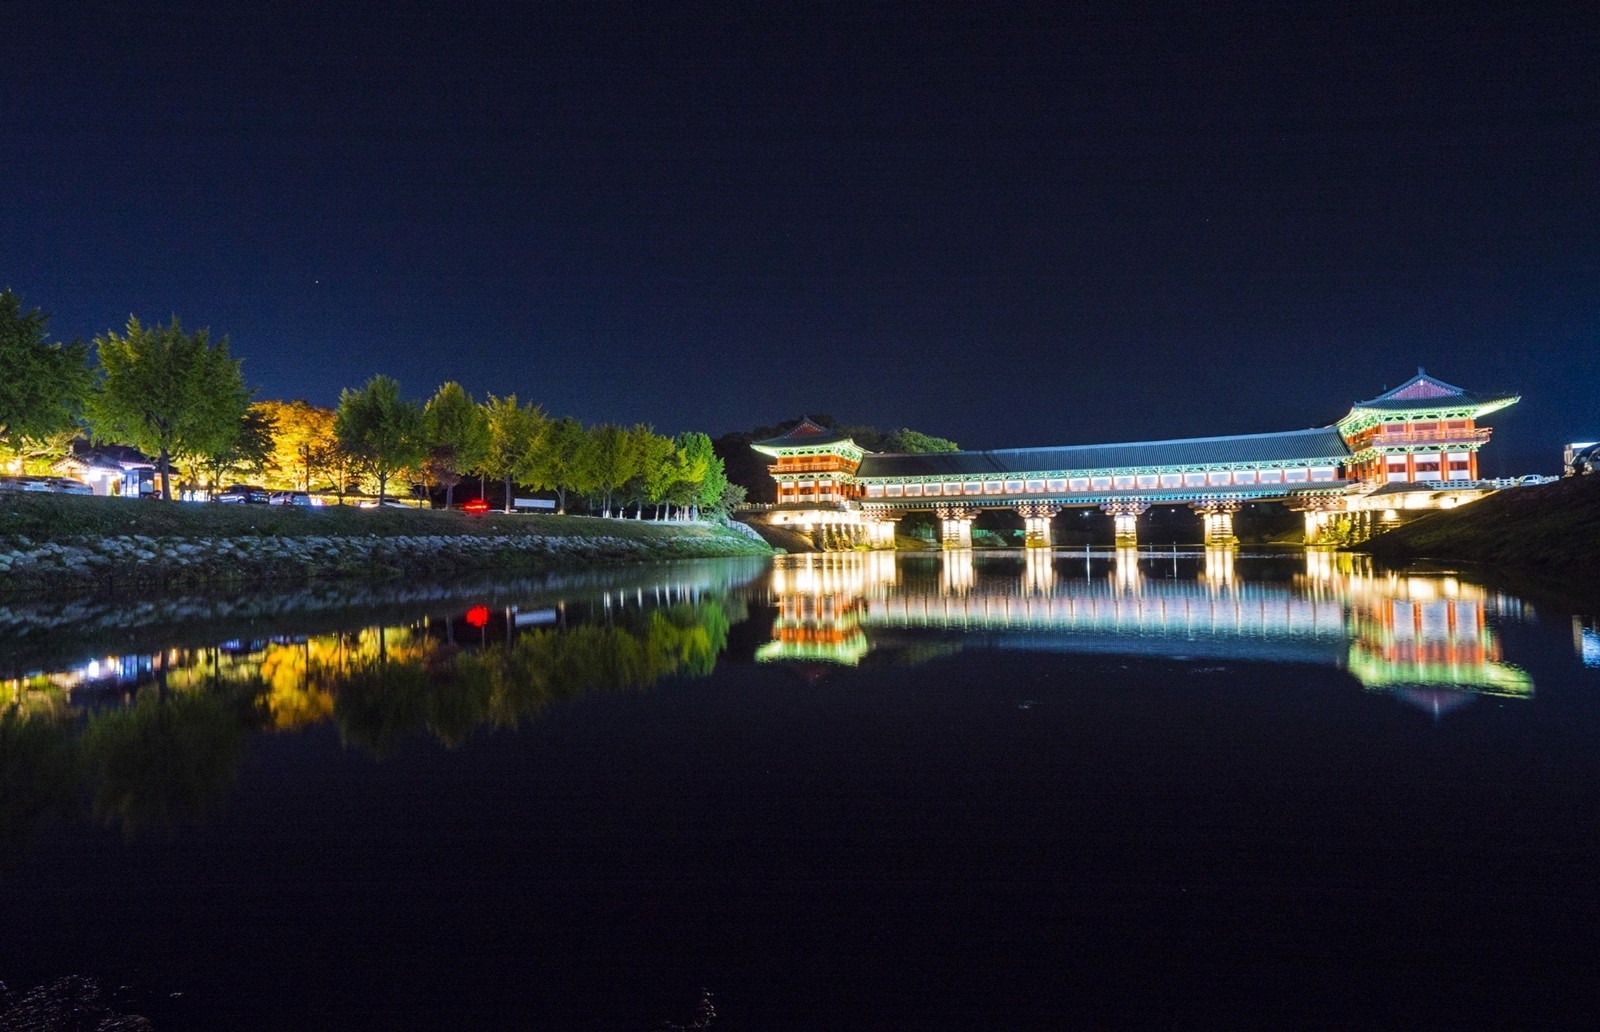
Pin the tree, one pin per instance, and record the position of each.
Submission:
(692, 459)
(379, 428)
(654, 464)
(556, 464)
(302, 437)
(907, 441)
(457, 429)
(514, 432)
(245, 452)
(42, 386)
(344, 471)
(607, 461)
(732, 496)
(166, 392)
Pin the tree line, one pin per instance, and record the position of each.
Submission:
(181, 398)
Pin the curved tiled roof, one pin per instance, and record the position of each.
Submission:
(1322, 444)
(804, 434)
(1429, 392)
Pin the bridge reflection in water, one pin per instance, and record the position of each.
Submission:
(1427, 638)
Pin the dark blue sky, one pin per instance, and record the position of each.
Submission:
(1007, 224)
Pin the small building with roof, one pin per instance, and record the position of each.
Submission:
(110, 469)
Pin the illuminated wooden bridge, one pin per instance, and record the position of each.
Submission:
(1414, 447)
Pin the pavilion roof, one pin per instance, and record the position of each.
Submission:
(1426, 392)
(1322, 444)
(86, 455)
(804, 434)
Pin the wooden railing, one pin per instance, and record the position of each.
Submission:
(1475, 435)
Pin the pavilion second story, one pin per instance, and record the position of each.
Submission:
(1423, 431)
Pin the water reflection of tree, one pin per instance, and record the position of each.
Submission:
(174, 754)
(167, 759)
(449, 693)
(38, 774)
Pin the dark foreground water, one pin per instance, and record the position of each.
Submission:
(836, 792)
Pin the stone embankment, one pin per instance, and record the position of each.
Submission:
(1551, 531)
(140, 561)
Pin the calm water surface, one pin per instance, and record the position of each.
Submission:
(855, 791)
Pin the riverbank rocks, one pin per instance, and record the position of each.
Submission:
(140, 561)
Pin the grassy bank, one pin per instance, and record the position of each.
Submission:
(66, 542)
(1548, 531)
(50, 517)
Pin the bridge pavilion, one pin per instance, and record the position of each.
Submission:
(1414, 447)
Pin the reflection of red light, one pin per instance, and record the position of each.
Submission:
(477, 505)
(478, 616)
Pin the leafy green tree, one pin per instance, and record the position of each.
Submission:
(246, 453)
(732, 496)
(514, 432)
(344, 471)
(167, 392)
(608, 462)
(556, 464)
(457, 429)
(703, 474)
(380, 429)
(655, 467)
(907, 441)
(42, 385)
(712, 488)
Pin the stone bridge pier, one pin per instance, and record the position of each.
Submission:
(955, 526)
(1125, 515)
(1217, 516)
(1036, 517)
(880, 528)
(1322, 516)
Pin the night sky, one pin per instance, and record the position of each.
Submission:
(1007, 224)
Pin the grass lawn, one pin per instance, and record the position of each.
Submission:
(53, 517)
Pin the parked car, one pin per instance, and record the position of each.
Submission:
(43, 485)
(291, 498)
(243, 493)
